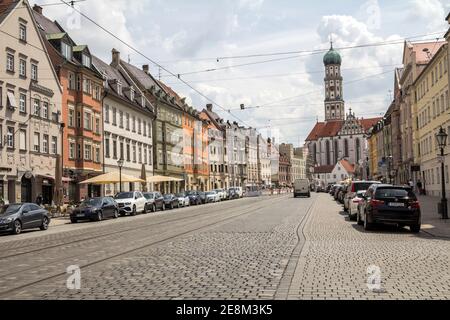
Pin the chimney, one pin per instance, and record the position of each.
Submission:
(115, 58)
(146, 68)
(37, 8)
(209, 107)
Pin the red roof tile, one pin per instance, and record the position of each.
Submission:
(350, 168)
(327, 129)
(314, 135)
(369, 123)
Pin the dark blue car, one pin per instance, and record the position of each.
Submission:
(95, 209)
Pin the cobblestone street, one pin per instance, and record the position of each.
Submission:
(256, 248)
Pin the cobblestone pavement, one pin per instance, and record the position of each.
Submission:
(335, 259)
(259, 248)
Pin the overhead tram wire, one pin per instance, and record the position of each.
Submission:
(154, 62)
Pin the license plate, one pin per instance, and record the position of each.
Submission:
(80, 215)
(396, 204)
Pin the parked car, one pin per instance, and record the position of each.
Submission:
(389, 204)
(336, 191)
(183, 199)
(131, 202)
(15, 218)
(341, 194)
(233, 194)
(301, 188)
(237, 190)
(194, 198)
(354, 204)
(202, 196)
(222, 194)
(95, 209)
(155, 201)
(212, 196)
(170, 201)
(352, 189)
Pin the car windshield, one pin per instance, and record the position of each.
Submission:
(11, 209)
(167, 196)
(125, 195)
(383, 193)
(94, 202)
(148, 196)
(180, 195)
(191, 193)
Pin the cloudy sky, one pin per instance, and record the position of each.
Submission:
(197, 35)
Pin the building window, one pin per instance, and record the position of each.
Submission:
(106, 114)
(128, 153)
(78, 119)
(134, 124)
(122, 151)
(139, 126)
(23, 103)
(22, 140)
(34, 72)
(22, 68)
(71, 118)
(121, 119)
(140, 154)
(66, 50)
(86, 61)
(127, 121)
(114, 119)
(87, 152)
(132, 93)
(54, 145)
(72, 150)
(37, 142)
(22, 32)
(79, 152)
(107, 148)
(45, 110)
(134, 153)
(145, 129)
(87, 86)
(37, 111)
(97, 154)
(115, 149)
(10, 137)
(45, 143)
(97, 125)
(87, 121)
(72, 81)
(9, 62)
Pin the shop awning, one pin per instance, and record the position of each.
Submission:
(112, 177)
(156, 179)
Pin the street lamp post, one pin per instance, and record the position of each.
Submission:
(120, 164)
(441, 138)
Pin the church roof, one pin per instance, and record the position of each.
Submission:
(332, 128)
(323, 169)
(332, 57)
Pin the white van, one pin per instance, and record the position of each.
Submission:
(301, 188)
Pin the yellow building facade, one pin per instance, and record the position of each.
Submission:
(433, 111)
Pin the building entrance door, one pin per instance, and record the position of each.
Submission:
(26, 190)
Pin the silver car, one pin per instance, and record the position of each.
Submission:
(183, 199)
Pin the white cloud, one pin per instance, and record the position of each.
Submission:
(429, 13)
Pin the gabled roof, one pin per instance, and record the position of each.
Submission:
(350, 168)
(145, 79)
(315, 133)
(369, 123)
(55, 36)
(80, 48)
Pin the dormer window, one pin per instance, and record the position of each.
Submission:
(66, 50)
(86, 60)
(132, 93)
(119, 87)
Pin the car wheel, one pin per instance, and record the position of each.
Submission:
(171, 206)
(17, 227)
(99, 216)
(133, 213)
(146, 210)
(44, 225)
(415, 228)
(367, 225)
(116, 214)
(72, 220)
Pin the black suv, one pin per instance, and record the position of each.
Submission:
(391, 205)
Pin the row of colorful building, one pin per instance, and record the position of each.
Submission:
(402, 147)
(65, 114)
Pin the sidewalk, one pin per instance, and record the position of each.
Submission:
(431, 220)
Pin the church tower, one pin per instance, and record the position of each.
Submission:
(334, 100)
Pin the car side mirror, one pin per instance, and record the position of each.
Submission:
(25, 211)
